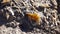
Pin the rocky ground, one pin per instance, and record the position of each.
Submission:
(15, 17)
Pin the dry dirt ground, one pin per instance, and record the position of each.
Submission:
(18, 17)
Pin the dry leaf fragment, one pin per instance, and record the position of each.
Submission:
(6, 1)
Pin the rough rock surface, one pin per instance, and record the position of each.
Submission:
(13, 18)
